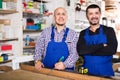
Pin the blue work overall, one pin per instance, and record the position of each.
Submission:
(97, 65)
(56, 50)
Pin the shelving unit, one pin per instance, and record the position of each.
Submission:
(30, 32)
(10, 55)
(36, 16)
(15, 18)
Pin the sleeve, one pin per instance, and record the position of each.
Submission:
(40, 47)
(73, 55)
(83, 49)
(112, 44)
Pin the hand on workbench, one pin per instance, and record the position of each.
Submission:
(39, 65)
(60, 66)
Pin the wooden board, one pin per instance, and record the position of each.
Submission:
(27, 75)
(5, 68)
(115, 66)
(63, 74)
(5, 61)
(118, 53)
(8, 11)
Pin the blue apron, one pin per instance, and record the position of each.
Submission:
(97, 65)
(56, 50)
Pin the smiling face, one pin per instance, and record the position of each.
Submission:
(93, 15)
(60, 16)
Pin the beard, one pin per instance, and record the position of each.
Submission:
(60, 24)
(94, 23)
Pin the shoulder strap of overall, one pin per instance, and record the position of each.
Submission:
(101, 29)
(65, 34)
(87, 31)
(52, 33)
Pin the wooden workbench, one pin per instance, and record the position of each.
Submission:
(62, 74)
(27, 75)
(28, 72)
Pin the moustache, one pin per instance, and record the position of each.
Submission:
(94, 18)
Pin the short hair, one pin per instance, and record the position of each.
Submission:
(93, 6)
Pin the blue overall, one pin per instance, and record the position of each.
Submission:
(97, 65)
(56, 50)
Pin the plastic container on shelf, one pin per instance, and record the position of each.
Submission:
(41, 8)
(27, 40)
